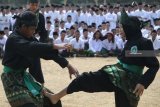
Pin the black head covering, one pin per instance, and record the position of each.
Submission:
(26, 18)
(131, 26)
(33, 1)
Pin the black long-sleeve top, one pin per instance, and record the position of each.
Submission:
(21, 52)
(41, 30)
(150, 62)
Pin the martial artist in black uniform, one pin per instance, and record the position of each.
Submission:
(22, 48)
(35, 68)
(126, 78)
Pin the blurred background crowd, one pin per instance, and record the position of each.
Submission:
(92, 30)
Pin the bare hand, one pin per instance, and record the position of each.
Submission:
(72, 71)
(61, 46)
(138, 90)
(67, 46)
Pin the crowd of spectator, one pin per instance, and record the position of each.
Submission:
(91, 30)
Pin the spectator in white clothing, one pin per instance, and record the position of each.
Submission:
(95, 43)
(85, 38)
(99, 17)
(77, 44)
(49, 27)
(146, 29)
(69, 22)
(116, 33)
(62, 40)
(157, 23)
(109, 45)
(155, 40)
(73, 14)
(111, 17)
(7, 32)
(91, 18)
(62, 26)
(3, 40)
(71, 34)
(11, 19)
(158, 33)
(121, 42)
(4, 20)
(53, 36)
(105, 28)
(90, 33)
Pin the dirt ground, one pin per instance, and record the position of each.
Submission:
(57, 78)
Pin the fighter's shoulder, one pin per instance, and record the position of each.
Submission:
(146, 43)
(145, 40)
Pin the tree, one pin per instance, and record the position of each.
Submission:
(105, 2)
(96, 2)
(65, 2)
(48, 2)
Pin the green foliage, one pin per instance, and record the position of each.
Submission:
(76, 2)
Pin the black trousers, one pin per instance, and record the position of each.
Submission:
(98, 82)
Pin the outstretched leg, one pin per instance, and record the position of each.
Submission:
(88, 82)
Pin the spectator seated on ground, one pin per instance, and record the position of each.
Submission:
(3, 40)
(109, 46)
(95, 44)
(155, 41)
(77, 44)
(85, 38)
(62, 40)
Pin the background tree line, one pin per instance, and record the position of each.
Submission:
(80, 2)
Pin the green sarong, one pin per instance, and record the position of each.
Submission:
(21, 88)
(125, 77)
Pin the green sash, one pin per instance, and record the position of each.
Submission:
(133, 68)
(30, 83)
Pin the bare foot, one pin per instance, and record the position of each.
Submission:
(53, 97)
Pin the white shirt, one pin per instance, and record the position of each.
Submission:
(54, 15)
(83, 17)
(158, 36)
(73, 15)
(4, 22)
(3, 42)
(91, 19)
(138, 13)
(156, 44)
(117, 37)
(120, 44)
(85, 40)
(62, 16)
(69, 24)
(131, 13)
(90, 34)
(12, 21)
(99, 20)
(105, 31)
(145, 32)
(59, 41)
(112, 19)
(108, 45)
(158, 12)
(153, 15)
(95, 45)
(77, 44)
(60, 29)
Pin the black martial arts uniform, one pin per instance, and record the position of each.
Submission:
(122, 77)
(20, 54)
